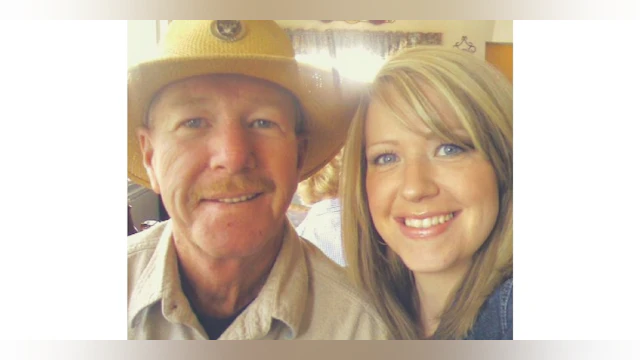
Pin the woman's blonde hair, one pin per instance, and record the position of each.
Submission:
(324, 184)
(482, 99)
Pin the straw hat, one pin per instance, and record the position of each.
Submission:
(259, 49)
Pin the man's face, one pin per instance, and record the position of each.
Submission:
(223, 153)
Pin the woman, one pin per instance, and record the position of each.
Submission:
(428, 229)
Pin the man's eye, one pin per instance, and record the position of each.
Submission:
(262, 123)
(385, 159)
(449, 150)
(194, 123)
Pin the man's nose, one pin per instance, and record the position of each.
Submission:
(232, 149)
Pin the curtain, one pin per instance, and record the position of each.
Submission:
(381, 43)
(354, 53)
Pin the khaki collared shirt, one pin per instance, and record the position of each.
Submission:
(305, 296)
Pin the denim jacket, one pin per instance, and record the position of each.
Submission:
(495, 319)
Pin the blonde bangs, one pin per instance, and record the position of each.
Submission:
(403, 94)
(479, 97)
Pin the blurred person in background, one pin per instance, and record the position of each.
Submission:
(321, 226)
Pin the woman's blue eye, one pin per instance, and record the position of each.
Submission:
(449, 150)
(385, 159)
(193, 123)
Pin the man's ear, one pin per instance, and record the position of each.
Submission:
(303, 145)
(146, 148)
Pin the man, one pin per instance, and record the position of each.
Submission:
(223, 125)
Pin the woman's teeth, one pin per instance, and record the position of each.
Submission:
(428, 222)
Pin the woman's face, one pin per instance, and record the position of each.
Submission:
(433, 202)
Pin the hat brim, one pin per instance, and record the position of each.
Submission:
(327, 103)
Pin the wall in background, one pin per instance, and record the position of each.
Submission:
(141, 40)
(503, 31)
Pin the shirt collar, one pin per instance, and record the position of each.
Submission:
(283, 296)
(160, 280)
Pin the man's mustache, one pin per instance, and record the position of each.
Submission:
(234, 185)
